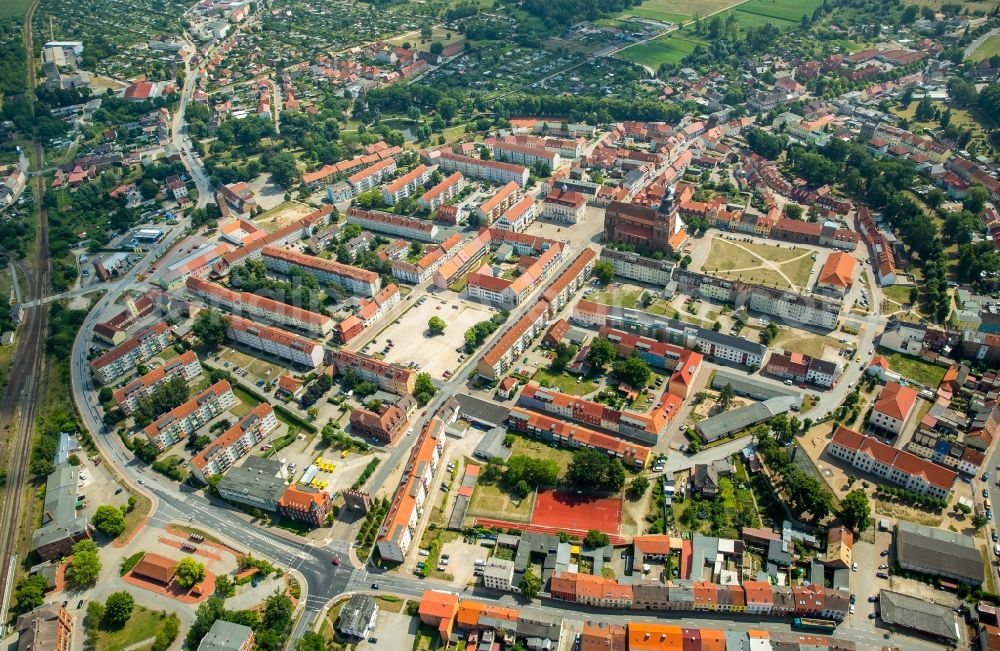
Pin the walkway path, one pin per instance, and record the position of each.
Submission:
(973, 46)
(769, 265)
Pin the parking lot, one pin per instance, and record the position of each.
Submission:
(392, 631)
(410, 339)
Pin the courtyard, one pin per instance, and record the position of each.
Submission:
(785, 266)
(412, 343)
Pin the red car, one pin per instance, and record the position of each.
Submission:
(336, 562)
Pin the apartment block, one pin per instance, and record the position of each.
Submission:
(297, 230)
(388, 377)
(441, 193)
(513, 342)
(396, 534)
(407, 185)
(633, 266)
(124, 357)
(185, 419)
(254, 306)
(383, 222)
(519, 216)
(524, 154)
(372, 176)
(185, 366)
(417, 272)
(354, 279)
(896, 466)
(274, 341)
(491, 209)
(566, 284)
(234, 443)
(487, 170)
(556, 430)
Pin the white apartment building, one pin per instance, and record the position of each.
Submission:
(185, 366)
(487, 170)
(354, 279)
(795, 308)
(406, 185)
(235, 442)
(274, 341)
(524, 154)
(636, 267)
(383, 222)
(498, 574)
(441, 193)
(126, 356)
(253, 306)
(182, 421)
(519, 216)
(372, 176)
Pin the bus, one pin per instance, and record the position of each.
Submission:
(815, 625)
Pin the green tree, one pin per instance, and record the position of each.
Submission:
(530, 584)
(602, 352)
(311, 642)
(604, 271)
(979, 521)
(424, 388)
(639, 486)
(593, 470)
(436, 48)
(976, 200)
(30, 593)
(85, 566)
(210, 327)
(633, 371)
(855, 511)
(726, 395)
(118, 608)
(189, 573)
(109, 520)
(447, 109)
(435, 325)
(596, 538)
(793, 211)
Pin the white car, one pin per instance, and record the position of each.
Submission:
(851, 609)
(854, 568)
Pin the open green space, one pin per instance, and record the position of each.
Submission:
(489, 500)
(897, 293)
(913, 368)
(787, 10)
(564, 382)
(14, 8)
(798, 270)
(989, 48)
(536, 449)
(802, 341)
(761, 276)
(619, 296)
(665, 49)
(142, 625)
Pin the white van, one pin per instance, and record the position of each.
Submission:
(424, 552)
(480, 562)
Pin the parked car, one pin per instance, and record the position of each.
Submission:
(882, 575)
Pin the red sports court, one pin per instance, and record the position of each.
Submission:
(568, 510)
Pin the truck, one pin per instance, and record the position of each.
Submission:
(814, 625)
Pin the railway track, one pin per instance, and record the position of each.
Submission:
(19, 404)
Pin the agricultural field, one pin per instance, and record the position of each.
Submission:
(673, 11)
(14, 8)
(665, 49)
(989, 48)
(790, 11)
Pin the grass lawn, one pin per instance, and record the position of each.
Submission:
(247, 401)
(489, 501)
(914, 368)
(619, 297)
(530, 447)
(801, 341)
(766, 277)
(798, 270)
(143, 625)
(678, 8)
(14, 8)
(564, 382)
(135, 517)
(989, 48)
(898, 293)
(790, 10)
(666, 49)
